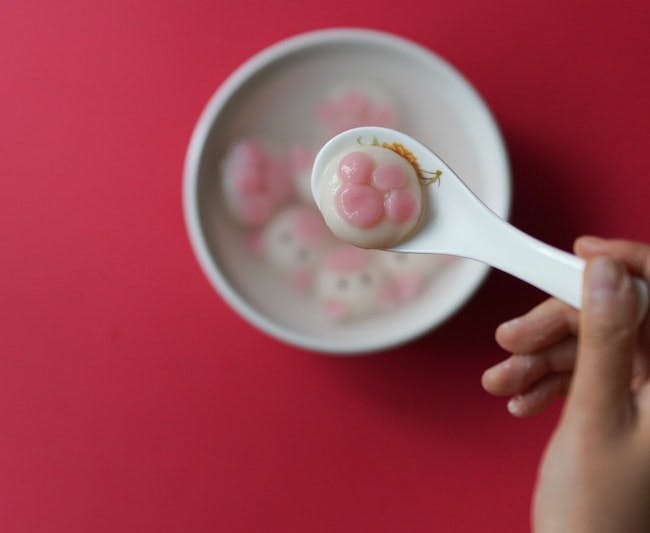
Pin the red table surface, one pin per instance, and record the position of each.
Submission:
(133, 399)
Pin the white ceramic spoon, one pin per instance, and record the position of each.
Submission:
(457, 223)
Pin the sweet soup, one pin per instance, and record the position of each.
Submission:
(376, 201)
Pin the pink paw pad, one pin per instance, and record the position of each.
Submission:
(389, 176)
(360, 205)
(356, 167)
(369, 193)
(401, 206)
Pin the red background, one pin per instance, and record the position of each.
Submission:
(133, 399)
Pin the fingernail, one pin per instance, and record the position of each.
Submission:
(591, 242)
(604, 278)
(509, 324)
(496, 369)
(515, 405)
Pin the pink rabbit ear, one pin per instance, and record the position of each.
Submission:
(248, 181)
(249, 152)
(348, 259)
(388, 296)
(409, 285)
(255, 243)
(255, 210)
(353, 102)
(335, 309)
(309, 226)
(301, 279)
(383, 116)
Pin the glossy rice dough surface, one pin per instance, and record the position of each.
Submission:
(371, 197)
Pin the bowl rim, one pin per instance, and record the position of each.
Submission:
(213, 108)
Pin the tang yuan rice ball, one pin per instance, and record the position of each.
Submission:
(371, 197)
(349, 284)
(295, 242)
(256, 182)
(407, 273)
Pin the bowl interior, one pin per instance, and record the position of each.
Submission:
(274, 96)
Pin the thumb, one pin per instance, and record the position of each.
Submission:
(607, 340)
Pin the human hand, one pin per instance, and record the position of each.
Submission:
(544, 340)
(595, 475)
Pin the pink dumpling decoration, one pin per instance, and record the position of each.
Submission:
(256, 182)
(256, 210)
(401, 206)
(389, 176)
(352, 108)
(349, 284)
(370, 192)
(294, 243)
(356, 168)
(347, 259)
(361, 206)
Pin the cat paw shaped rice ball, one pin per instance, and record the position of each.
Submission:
(349, 284)
(256, 182)
(371, 196)
(294, 242)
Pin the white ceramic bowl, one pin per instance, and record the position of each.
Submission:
(271, 95)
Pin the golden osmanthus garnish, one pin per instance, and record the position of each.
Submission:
(427, 177)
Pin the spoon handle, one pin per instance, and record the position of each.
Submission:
(554, 271)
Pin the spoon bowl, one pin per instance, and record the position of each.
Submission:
(455, 222)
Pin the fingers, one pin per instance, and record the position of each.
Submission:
(607, 340)
(539, 397)
(519, 373)
(543, 326)
(635, 256)
(544, 344)
(607, 325)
